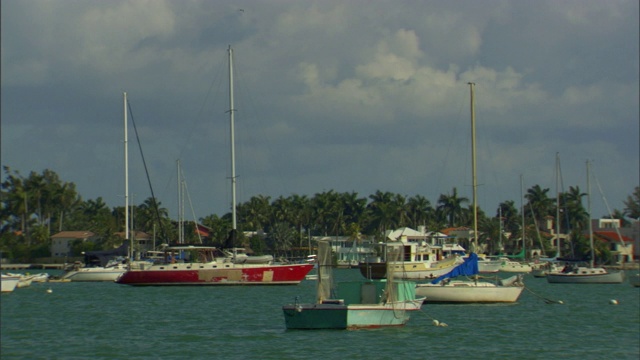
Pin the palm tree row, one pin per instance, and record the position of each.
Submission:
(39, 205)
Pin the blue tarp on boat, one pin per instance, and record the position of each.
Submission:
(468, 267)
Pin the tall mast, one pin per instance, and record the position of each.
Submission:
(591, 262)
(557, 206)
(522, 212)
(180, 204)
(233, 148)
(126, 178)
(473, 168)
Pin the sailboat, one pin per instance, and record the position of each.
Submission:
(446, 289)
(185, 264)
(553, 265)
(356, 304)
(107, 269)
(590, 274)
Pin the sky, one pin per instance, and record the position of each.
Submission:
(350, 96)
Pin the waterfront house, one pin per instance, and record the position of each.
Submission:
(61, 242)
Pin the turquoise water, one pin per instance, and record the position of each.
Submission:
(112, 321)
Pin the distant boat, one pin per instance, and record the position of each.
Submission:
(25, 279)
(9, 283)
(353, 304)
(79, 272)
(545, 267)
(472, 290)
(207, 265)
(509, 265)
(552, 265)
(448, 289)
(420, 260)
(488, 265)
(106, 269)
(590, 274)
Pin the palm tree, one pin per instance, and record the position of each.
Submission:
(300, 215)
(450, 206)
(420, 211)
(632, 204)
(381, 210)
(490, 235)
(255, 213)
(540, 204)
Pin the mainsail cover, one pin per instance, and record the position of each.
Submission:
(468, 267)
(325, 276)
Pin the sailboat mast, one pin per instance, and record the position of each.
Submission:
(233, 148)
(126, 177)
(473, 168)
(522, 213)
(591, 262)
(180, 203)
(557, 206)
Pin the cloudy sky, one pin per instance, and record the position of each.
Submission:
(330, 95)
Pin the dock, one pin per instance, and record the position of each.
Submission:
(31, 266)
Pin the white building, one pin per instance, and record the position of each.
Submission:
(62, 241)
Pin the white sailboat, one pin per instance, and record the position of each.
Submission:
(553, 265)
(587, 274)
(508, 263)
(471, 290)
(113, 269)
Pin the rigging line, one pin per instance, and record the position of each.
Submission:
(565, 211)
(215, 81)
(452, 139)
(193, 213)
(535, 224)
(144, 162)
(607, 204)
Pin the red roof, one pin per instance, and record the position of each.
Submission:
(612, 236)
(73, 235)
(448, 231)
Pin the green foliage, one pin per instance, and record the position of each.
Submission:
(632, 204)
(39, 205)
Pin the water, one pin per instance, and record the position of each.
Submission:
(112, 321)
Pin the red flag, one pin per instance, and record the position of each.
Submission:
(203, 230)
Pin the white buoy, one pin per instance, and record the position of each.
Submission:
(436, 322)
(49, 291)
(613, 302)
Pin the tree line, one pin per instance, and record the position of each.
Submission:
(36, 206)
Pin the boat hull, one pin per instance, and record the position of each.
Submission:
(489, 266)
(348, 317)
(458, 291)
(94, 274)
(202, 274)
(359, 307)
(586, 277)
(9, 283)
